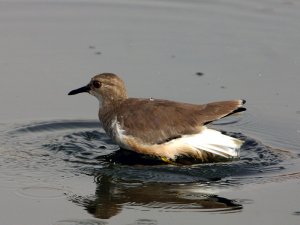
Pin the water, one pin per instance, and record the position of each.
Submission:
(51, 153)
(58, 166)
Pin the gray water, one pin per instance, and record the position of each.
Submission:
(58, 166)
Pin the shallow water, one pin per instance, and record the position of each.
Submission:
(46, 156)
(58, 166)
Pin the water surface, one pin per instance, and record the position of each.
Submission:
(58, 166)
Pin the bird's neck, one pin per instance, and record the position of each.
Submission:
(111, 101)
(108, 111)
(109, 106)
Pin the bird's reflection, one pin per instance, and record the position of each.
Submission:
(112, 196)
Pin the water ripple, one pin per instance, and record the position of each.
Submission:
(43, 151)
(98, 154)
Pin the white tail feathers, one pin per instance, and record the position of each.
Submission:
(215, 142)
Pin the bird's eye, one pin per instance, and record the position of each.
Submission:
(96, 84)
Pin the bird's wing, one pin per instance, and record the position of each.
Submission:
(157, 121)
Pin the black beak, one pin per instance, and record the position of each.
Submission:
(80, 90)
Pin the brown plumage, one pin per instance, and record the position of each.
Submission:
(155, 121)
(151, 126)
